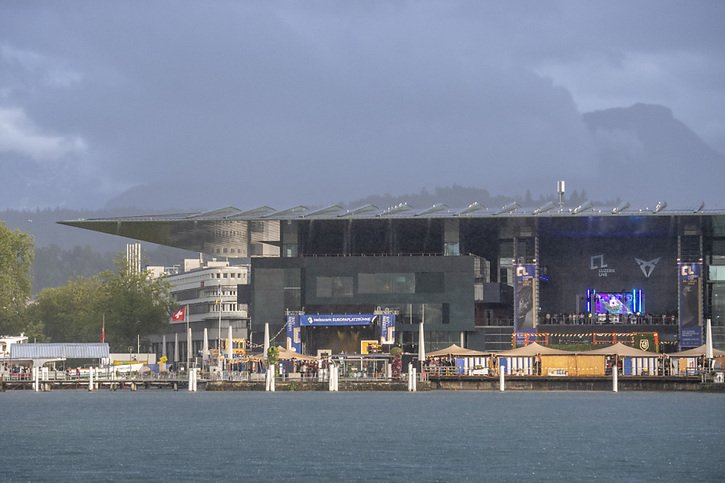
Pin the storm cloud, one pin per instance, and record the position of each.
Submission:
(205, 104)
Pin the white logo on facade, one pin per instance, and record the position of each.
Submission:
(596, 262)
(647, 267)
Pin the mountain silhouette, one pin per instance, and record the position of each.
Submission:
(645, 149)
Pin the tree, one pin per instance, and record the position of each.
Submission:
(16, 259)
(72, 312)
(135, 304)
(132, 304)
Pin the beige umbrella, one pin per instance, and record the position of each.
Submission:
(286, 355)
(533, 349)
(698, 352)
(453, 350)
(620, 350)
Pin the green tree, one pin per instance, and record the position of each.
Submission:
(72, 312)
(135, 304)
(132, 305)
(16, 259)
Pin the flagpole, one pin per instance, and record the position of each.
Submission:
(188, 342)
(219, 335)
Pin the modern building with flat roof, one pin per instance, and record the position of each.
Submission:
(476, 276)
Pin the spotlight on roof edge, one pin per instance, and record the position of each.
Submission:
(400, 207)
(508, 208)
(437, 207)
(620, 208)
(661, 205)
(475, 206)
(548, 206)
(587, 205)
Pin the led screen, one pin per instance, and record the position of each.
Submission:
(614, 303)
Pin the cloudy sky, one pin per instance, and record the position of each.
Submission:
(208, 104)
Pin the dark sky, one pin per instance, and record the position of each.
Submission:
(257, 102)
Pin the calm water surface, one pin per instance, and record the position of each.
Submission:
(436, 436)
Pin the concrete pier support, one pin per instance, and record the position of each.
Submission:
(334, 378)
(615, 379)
(193, 375)
(501, 377)
(411, 378)
(269, 378)
(90, 380)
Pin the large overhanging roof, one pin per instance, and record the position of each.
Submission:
(237, 233)
(404, 211)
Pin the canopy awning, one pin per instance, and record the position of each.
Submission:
(620, 350)
(533, 349)
(455, 350)
(287, 355)
(698, 352)
(59, 351)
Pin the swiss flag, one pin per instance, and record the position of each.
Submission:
(179, 315)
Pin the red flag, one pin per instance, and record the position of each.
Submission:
(179, 315)
(103, 332)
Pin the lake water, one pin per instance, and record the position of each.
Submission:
(319, 436)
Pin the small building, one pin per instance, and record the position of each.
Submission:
(209, 290)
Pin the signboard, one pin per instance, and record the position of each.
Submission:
(525, 338)
(524, 297)
(387, 328)
(335, 320)
(294, 342)
(370, 347)
(689, 288)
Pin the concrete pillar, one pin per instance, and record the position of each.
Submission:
(501, 382)
(615, 377)
(266, 341)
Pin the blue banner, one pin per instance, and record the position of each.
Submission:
(689, 278)
(524, 297)
(526, 338)
(690, 337)
(332, 319)
(387, 328)
(294, 342)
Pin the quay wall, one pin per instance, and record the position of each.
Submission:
(576, 384)
(512, 383)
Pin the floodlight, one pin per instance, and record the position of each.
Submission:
(475, 206)
(508, 208)
(544, 208)
(587, 205)
(620, 208)
(661, 205)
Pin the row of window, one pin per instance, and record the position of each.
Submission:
(380, 283)
(225, 307)
(200, 309)
(226, 275)
(193, 293)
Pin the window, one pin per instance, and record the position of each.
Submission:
(382, 283)
(717, 273)
(429, 282)
(334, 286)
